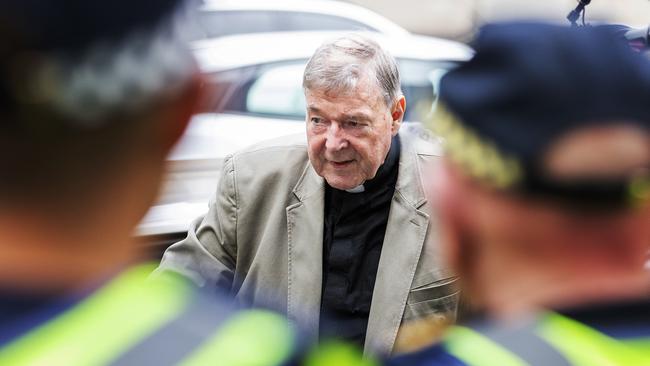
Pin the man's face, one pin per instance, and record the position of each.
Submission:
(349, 134)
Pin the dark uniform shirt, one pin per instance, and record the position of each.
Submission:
(355, 224)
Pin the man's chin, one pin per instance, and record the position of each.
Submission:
(343, 184)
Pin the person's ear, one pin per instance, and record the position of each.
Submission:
(397, 114)
(447, 195)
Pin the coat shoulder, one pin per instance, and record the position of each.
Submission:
(277, 162)
(423, 142)
(290, 144)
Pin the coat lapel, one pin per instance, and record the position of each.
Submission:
(405, 234)
(305, 250)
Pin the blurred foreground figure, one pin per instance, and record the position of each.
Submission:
(92, 97)
(544, 199)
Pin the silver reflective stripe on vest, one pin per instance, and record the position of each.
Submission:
(102, 326)
(513, 345)
(551, 339)
(180, 337)
(524, 341)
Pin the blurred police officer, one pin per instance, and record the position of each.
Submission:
(92, 97)
(545, 199)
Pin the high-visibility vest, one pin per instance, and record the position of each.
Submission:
(550, 340)
(131, 321)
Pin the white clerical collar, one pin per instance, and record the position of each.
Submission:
(358, 189)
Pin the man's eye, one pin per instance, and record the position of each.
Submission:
(316, 120)
(353, 124)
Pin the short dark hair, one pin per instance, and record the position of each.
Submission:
(75, 104)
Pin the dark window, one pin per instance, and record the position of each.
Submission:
(226, 90)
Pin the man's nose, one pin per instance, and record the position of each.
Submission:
(336, 139)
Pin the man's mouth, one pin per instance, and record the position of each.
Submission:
(341, 164)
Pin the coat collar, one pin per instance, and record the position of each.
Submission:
(409, 183)
(309, 184)
(305, 250)
(406, 233)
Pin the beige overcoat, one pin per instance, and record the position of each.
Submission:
(262, 239)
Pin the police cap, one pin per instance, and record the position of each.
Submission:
(85, 59)
(531, 83)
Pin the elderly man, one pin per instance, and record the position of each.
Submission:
(545, 197)
(92, 97)
(335, 227)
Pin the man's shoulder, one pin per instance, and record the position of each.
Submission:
(278, 153)
(278, 162)
(421, 141)
(280, 145)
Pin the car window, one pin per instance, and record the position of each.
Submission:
(277, 91)
(225, 90)
(419, 85)
(222, 23)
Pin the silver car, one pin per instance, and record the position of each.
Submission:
(218, 18)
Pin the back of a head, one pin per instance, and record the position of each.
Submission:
(547, 133)
(514, 115)
(79, 86)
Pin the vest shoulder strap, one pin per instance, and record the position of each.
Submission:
(135, 321)
(550, 339)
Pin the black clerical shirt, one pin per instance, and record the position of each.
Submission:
(355, 224)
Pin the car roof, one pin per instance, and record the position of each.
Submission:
(328, 7)
(237, 51)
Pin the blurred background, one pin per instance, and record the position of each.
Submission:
(458, 19)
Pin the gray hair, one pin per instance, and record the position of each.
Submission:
(337, 65)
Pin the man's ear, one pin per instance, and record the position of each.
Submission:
(397, 114)
(181, 110)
